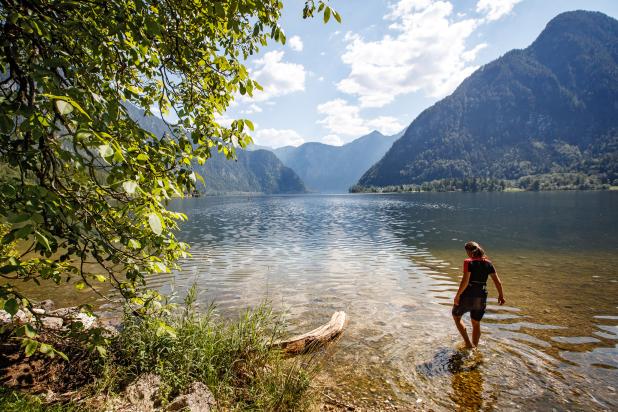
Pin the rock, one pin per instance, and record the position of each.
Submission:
(142, 395)
(72, 314)
(197, 399)
(47, 305)
(52, 323)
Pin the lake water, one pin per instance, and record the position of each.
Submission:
(393, 263)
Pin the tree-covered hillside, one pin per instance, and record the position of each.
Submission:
(255, 171)
(549, 109)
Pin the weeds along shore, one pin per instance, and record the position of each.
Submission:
(234, 359)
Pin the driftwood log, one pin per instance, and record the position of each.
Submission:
(316, 338)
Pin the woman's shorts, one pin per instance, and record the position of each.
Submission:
(475, 305)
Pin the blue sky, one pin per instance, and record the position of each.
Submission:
(383, 65)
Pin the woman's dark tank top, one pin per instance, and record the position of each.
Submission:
(480, 269)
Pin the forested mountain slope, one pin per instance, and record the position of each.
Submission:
(551, 108)
(258, 171)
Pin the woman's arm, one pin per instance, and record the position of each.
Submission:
(462, 286)
(496, 279)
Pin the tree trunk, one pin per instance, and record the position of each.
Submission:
(316, 338)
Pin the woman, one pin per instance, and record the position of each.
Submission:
(472, 294)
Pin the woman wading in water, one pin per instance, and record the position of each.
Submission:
(472, 294)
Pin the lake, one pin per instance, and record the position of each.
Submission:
(393, 263)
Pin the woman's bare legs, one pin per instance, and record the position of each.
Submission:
(462, 329)
(476, 332)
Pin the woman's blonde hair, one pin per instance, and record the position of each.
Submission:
(475, 249)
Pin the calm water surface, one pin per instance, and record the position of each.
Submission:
(393, 263)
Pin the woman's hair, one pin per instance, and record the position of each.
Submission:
(476, 249)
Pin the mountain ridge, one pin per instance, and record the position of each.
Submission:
(255, 171)
(549, 108)
(331, 169)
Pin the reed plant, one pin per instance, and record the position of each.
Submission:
(235, 358)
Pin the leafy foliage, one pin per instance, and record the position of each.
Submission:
(86, 196)
(254, 171)
(548, 109)
(14, 401)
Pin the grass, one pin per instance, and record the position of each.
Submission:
(234, 359)
(14, 401)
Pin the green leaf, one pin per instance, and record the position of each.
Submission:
(24, 231)
(337, 16)
(80, 285)
(11, 307)
(101, 349)
(129, 186)
(31, 347)
(100, 278)
(29, 330)
(18, 218)
(326, 14)
(134, 244)
(106, 150)
(64, 107)
(61, 354)
(42, 240)
(155, 223)
(159, 267)
(45, 348)
(249, 124)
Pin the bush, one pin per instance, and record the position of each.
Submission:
(233, 358)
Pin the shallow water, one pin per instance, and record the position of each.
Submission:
(392, 262)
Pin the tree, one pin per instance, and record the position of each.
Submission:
(84, 188)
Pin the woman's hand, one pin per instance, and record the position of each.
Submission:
(456, 300)
(501, 300)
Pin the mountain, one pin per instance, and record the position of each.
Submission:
(549, 109)
(326, 168)
(255, 171)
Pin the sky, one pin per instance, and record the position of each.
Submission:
(383, 65)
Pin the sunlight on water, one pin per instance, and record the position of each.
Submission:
(392, 262)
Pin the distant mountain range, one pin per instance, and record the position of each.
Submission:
(550, 109)
(333, 169)
(258, 171)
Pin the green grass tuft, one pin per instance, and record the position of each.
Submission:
(14, 401)
(233, 358)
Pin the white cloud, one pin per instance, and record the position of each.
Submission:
(332, 139)
(342, 118)
(385, 124)
(223, 120)
(495, 9)
(276, 76)
(295, 43)
(425, 51)
(253, 108)
(277, 137)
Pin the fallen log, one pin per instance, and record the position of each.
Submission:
(316, 338)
